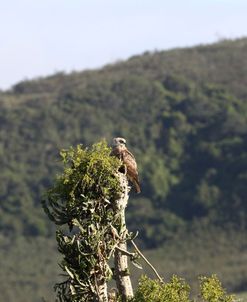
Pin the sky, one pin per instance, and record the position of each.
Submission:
(42, 37)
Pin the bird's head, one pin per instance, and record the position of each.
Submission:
(119, 142)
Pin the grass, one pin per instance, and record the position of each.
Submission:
(242, 296)
(28, 269)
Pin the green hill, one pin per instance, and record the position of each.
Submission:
(184, 115)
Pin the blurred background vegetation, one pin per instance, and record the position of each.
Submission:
(184, 115)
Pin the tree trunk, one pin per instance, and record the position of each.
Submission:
(102, 295)
(123, 281)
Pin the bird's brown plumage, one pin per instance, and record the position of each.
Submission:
(120, 150)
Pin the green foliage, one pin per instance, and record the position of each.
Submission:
(177, 290)
(89, 175)
(84, 196)
(212, 291)
(153, 291)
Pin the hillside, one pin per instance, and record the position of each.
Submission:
(181, 113)
(184, 115)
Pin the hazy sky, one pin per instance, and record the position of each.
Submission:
(40, 37)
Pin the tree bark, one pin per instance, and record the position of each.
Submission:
(102, 295)
(122, 275)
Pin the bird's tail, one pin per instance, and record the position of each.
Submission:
(137, 185)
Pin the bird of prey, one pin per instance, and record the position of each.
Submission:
(120, 150)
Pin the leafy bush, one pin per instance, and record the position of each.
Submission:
(177, 290)
(89, 174)
(212, 291)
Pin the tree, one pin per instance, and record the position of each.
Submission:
(90, 198)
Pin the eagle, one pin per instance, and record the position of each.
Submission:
(120, 150)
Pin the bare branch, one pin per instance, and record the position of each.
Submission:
(125, 252)
(145, 259)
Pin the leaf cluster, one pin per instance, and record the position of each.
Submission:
(212, 290)
(87, 182)
(177, 290)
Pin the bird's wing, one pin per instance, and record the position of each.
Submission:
(132, 173)
(129, 160)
